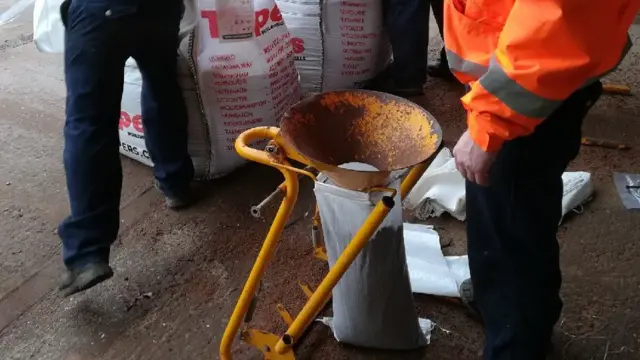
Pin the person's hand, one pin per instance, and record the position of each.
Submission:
(473, 162)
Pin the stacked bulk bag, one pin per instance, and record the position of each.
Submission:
(338, 44)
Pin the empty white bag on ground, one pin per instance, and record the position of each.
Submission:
(246, 72)
(48, 30)
(338, 44)
(442, 189)
(372, 303)
(430, 271)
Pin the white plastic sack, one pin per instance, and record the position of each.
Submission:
(48, 30)
(246, 82)
(577, 189)
(338, 44)
(431, 272)
(372, 303)
(440, 189)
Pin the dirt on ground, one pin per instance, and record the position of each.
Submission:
(179, 274)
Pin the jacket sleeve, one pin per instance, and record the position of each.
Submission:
(545, 52)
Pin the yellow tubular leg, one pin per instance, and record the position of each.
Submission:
(323, 292)
(412, 178)
(265, 255)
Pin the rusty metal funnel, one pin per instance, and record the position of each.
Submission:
(358, 137)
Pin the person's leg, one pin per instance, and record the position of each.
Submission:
(441, 68)
(94, 68)
(164, 113)
(408, 27)
(511, 230)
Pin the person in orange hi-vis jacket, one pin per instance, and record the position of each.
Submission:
(532, 70)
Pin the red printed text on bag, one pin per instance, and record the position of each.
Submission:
(266, 19)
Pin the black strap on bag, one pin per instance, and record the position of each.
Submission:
(64, 11)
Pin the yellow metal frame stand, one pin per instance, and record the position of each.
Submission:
(276, 154)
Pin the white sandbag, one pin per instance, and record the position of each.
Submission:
(577, 188)
(338, 44)
(244, 82)
(372, 303)
(430, 271)
(48, 30)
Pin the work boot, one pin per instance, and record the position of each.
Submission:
(440, 70)
(384, 82)
(177, 200)
(77, 280)
(402, 91)
(466, 296)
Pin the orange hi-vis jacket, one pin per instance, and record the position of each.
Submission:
(523, 58)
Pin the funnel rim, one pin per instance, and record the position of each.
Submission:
(435, 128)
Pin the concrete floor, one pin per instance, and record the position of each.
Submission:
(178, 274)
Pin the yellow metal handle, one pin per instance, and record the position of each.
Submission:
(255, 134)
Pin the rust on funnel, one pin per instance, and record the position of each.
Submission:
(358, 126)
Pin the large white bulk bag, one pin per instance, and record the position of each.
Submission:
(339, 44)
(246, 75)
(130, 127)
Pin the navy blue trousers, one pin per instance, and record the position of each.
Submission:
(407, 23)
(100, 36)
(511, 230)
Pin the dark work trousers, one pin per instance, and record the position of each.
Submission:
(100, 36)
(511, 229)
(438, 13)
(407, 23)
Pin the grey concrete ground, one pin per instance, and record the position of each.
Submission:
(178, 274)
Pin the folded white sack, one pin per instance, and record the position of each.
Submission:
(442, 189)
